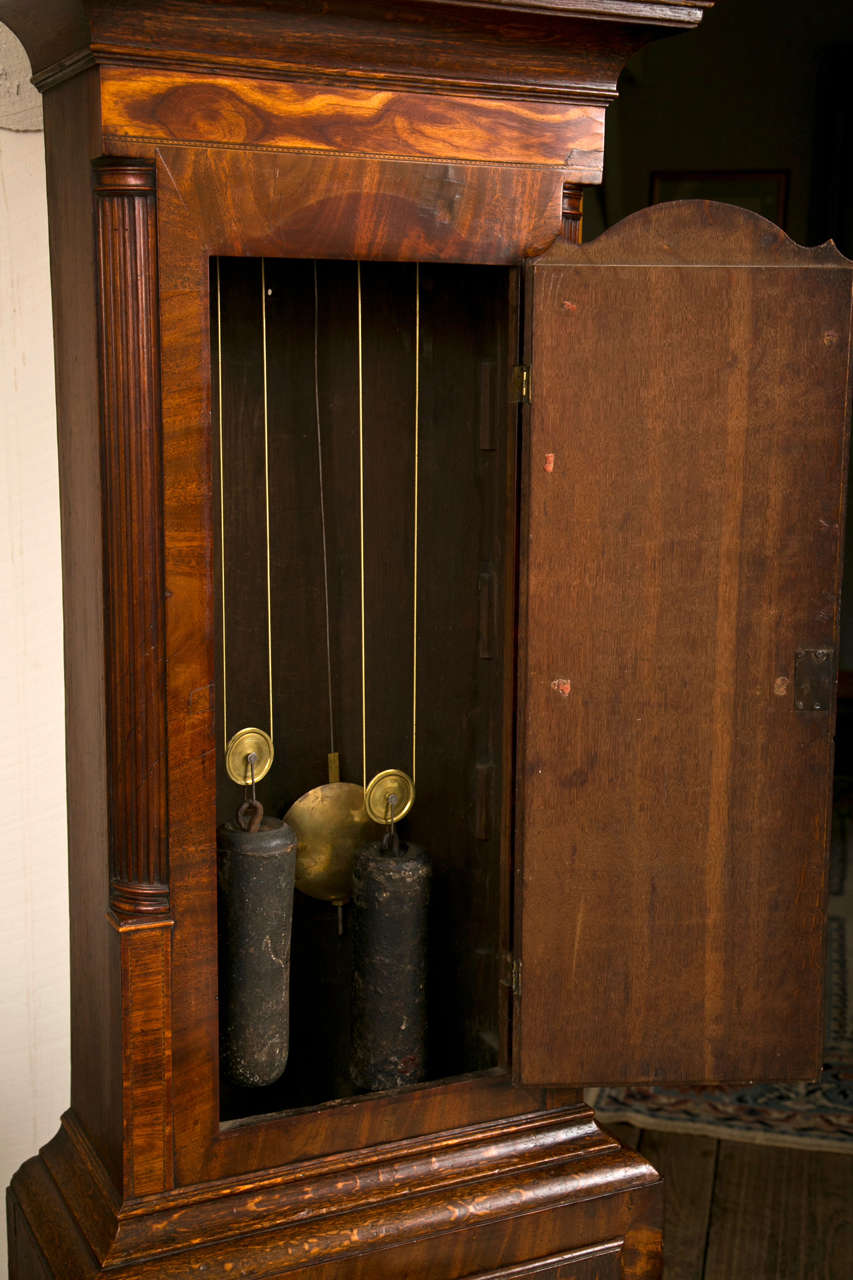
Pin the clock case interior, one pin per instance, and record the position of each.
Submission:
(334, 375)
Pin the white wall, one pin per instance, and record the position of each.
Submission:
(34, 1049)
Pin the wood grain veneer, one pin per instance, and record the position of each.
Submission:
(161, 106)
(675, 801)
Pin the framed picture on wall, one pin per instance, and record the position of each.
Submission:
(764, 191)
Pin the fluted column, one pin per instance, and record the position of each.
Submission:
(572, 212)
(133, 535)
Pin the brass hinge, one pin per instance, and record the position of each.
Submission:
(511, 974)
(520, 392)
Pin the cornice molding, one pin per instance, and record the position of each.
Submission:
(540, 47)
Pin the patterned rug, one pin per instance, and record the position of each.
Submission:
(818, 1115)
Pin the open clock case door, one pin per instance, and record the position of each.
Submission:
(685, 455)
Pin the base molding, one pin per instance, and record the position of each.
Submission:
(544, 1195)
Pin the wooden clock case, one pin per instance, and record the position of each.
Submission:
(186, 137)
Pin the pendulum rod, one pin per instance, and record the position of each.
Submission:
(334, 766)
(334, 821)
(249, 753)
(330, 820)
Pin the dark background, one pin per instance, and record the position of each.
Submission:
(760, 85)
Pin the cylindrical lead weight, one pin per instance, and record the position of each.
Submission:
(390, 896)
(256, 874)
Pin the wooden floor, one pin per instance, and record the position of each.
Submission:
(739, 1211)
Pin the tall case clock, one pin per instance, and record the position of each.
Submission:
(362, 450)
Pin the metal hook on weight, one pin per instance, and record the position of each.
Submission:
(250, 815)
(390, 841)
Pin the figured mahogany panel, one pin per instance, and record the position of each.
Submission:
(349, 207)
(685, 469)
(146, 963)
(147, 106)
(133, 538)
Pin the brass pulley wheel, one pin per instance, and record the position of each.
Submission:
(241, 768)
(389, 796)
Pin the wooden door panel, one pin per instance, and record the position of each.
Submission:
(684, 485)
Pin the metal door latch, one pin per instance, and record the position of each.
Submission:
(814, 679)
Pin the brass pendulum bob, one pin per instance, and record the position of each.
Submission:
(333, 822)
(256, 866)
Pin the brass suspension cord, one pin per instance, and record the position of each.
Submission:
(415, 538)
(323, 509)
(267, 486)
(236, 753)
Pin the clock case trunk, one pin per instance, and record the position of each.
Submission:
(195, 133)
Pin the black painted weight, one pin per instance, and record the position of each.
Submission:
(390, 897)
(256, 875)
